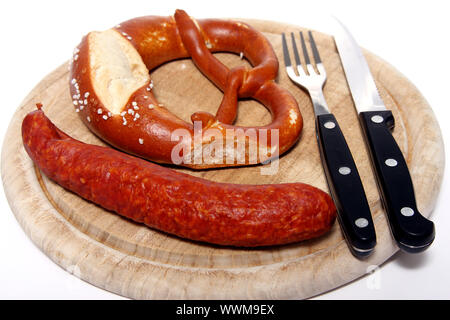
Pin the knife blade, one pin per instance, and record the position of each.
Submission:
(412, 232)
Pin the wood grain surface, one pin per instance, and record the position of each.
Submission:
(135, 261)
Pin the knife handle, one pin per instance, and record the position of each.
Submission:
(345, 186)
(412, 232)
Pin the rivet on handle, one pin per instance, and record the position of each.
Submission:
(377, 119)
(344, 170)
(391, 162)
(361, 222)
(329, 125)
(407, 211)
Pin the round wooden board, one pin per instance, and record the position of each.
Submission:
(137, 262)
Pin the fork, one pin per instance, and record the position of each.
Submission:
(340, 170)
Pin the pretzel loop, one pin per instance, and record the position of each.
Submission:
(240, 82)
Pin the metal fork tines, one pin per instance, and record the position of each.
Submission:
(340, 169)
(309, 79)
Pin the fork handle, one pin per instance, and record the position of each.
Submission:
(345, 186)
(412, 232)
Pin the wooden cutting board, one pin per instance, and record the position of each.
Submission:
(135, 261)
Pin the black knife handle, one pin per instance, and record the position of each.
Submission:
(412, 232)
(345, 186)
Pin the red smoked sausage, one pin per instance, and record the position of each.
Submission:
(174, 202)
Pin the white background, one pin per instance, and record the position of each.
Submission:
(38, 36)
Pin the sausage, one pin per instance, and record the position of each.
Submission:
(175, 202)
(112, 90)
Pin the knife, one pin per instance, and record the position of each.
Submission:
(412, 232)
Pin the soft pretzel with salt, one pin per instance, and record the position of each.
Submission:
(111, 89)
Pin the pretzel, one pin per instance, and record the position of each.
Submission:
(112, 91)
